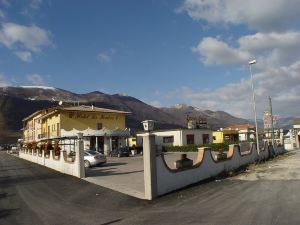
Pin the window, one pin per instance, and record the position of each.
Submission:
(205, 138)
(99, 126)
(190, 139)
(169, 139)
(214, 137)
(57, 129)
(48, 133)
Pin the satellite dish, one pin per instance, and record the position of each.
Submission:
(60, 102)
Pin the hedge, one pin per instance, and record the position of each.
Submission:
(194, 148)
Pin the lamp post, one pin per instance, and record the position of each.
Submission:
(254, 104)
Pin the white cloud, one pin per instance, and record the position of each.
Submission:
(36, 79)
(32, 38)
(3, 81)
(282, 84)
(275, 44)
(261, 15)
(214, 51)
(24, 55)
(106, 56)
(272, 49)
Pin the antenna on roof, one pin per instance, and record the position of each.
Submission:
(60, 102)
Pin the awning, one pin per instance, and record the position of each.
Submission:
(90, 132)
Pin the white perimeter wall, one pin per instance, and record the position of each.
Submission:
(75, 168)
(206, 167)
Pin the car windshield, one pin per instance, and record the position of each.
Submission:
(92, 152)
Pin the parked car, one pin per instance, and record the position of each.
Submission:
(120, 152)
(93, 158)
(13, 150)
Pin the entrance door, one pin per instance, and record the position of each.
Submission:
(115, 142)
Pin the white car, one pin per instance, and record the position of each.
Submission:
(93, 158)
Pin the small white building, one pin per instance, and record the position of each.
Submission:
(288, 140)
(178, 137)
(246, 131)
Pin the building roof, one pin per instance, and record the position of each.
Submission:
(82, 108)
(85, 108)
(32, 115)
(240, 127)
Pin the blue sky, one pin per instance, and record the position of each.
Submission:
(162, 52)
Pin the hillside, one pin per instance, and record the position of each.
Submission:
(215, 120)
(18, 102)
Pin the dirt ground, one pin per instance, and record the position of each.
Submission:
(283, 167)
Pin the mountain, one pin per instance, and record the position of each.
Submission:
(215, 120)
(17, 103)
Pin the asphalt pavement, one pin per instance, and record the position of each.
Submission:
(33, 194)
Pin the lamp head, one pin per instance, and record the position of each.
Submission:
(252, 62)
(148, 125)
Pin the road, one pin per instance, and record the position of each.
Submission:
(32, 194)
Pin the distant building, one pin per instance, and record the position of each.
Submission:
(179, 137)
(222, 136)
(102, 128)
(246, 132)
(196, 134)
(131, 141)
(295, 135)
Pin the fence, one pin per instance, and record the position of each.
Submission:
(161, 179)
(69, 165)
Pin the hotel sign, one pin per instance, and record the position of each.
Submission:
(92, 116)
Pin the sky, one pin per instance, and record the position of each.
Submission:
(193, 52)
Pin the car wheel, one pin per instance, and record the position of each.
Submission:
(87, 164)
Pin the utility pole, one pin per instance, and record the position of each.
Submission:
(272, 126)
(254, 105)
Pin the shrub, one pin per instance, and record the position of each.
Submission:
(219, 147)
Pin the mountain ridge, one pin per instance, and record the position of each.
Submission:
(19, 102)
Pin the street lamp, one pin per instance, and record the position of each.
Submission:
(254, 105)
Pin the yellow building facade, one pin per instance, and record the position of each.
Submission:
(32, 127)
(131, 141)
(218, 137)
(221, 136)
(101, 128)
